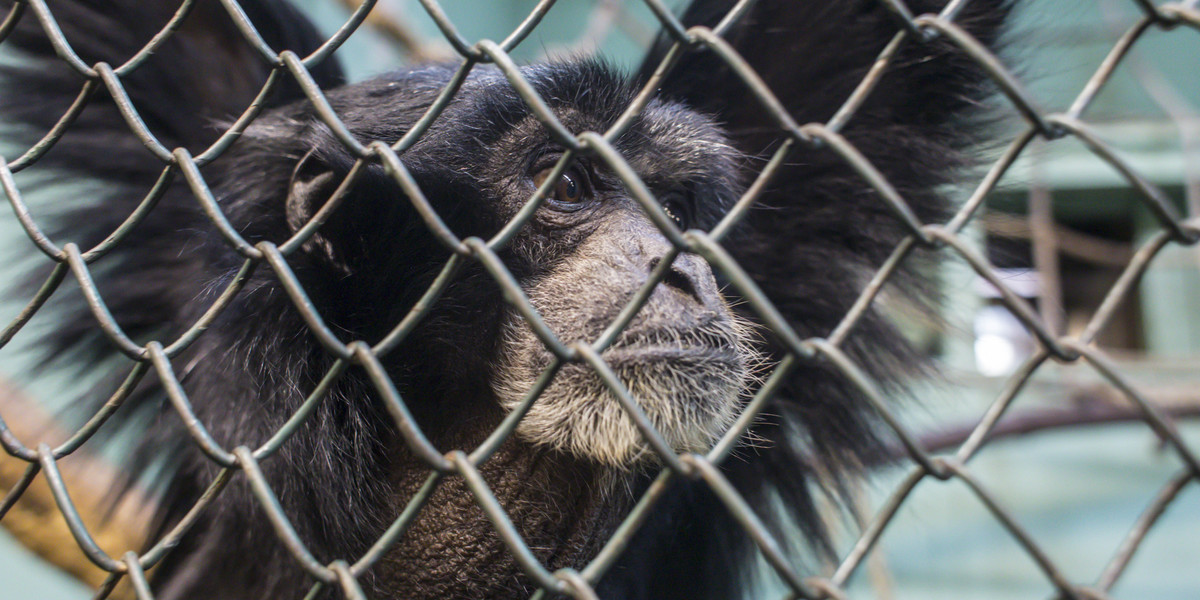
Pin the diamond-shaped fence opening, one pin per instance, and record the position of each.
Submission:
(926, 459)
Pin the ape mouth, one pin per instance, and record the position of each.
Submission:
(629, 355)
(689, 350)
(711, 351)
(715, 337)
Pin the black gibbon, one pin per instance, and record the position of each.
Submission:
(691, 357)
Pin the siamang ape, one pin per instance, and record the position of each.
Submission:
(691, 357)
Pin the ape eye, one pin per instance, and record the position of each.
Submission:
(674, 217)
(678, 208)
(571, 190)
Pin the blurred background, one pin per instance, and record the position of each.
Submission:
(1070, 462)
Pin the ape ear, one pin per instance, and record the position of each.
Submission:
(312, 184)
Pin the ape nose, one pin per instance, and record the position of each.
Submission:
(687, 287)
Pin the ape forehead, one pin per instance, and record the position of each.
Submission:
(667, 140)
(690, 144)
(488, 124)
(589, 87)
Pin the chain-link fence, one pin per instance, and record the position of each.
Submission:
(1182, 18)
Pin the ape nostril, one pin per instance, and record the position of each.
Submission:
(678, 279)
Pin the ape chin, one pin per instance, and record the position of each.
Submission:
(690, 358)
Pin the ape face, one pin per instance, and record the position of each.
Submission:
(686, 358)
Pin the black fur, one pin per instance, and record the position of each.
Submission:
(818, 232)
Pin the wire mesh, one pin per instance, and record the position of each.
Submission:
(947, 237)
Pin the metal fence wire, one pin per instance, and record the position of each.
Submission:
(946, 237)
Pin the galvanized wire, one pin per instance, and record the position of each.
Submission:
(344, 572)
